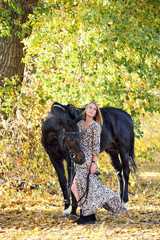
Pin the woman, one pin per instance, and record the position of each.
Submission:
(89, 192)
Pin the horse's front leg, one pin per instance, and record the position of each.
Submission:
(70, 167)
(59, 167)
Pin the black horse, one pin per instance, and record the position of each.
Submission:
(117, 139)
(61, 141)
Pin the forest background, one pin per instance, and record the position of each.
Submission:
(75, 52)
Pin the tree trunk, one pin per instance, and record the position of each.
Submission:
(11, 47)
(11, 54)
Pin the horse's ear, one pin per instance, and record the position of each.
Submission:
(79, 118)
(73, 111)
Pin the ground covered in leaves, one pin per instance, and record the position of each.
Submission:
(33, 212)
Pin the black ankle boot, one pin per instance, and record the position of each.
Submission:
(93, 217)
(86, 219)
(80, 216)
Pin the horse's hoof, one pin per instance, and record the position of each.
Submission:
(124, 207)
(66, 212)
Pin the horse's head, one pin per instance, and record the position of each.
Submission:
(71, 145)
(70, 142)
(61, 130)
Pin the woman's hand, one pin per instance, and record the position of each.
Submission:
(93, 168)
(93, 164)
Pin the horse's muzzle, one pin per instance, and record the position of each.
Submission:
(80, 158)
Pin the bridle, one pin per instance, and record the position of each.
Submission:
(64, 137)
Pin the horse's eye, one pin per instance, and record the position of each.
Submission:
(72, 155)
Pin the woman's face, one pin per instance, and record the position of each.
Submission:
(91, 110)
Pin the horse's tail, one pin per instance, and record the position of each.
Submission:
(132, 156)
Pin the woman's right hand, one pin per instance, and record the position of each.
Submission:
(93, 168)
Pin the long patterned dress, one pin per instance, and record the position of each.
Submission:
(98, 195)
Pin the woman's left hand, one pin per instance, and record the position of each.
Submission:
(93, 168)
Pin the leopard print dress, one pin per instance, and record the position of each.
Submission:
(98, 195)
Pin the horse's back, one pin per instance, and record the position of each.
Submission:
(117, 127)
(116, 113)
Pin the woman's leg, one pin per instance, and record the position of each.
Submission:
(75, 192)
(82, 219)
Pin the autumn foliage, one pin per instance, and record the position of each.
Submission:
(75, 52)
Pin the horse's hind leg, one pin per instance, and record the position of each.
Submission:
(114, 159)
(125, 166)
(59, 167)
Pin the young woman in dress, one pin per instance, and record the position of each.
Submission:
(89, 192)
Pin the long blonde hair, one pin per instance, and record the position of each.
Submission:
(98, 117)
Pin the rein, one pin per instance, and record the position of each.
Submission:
(72, 156)
(86, 192)
(72, 168)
